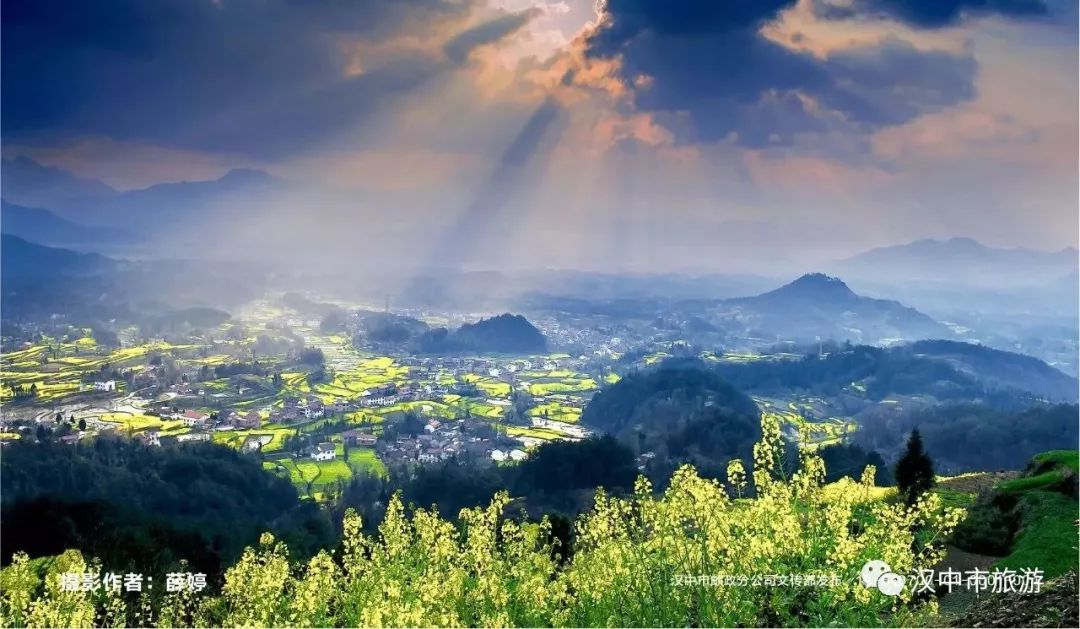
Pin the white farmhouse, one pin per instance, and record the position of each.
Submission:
(324, 452)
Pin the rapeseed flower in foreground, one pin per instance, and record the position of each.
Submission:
(691, 556)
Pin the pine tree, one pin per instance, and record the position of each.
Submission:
(914, 470)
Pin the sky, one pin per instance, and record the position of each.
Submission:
(622, 135)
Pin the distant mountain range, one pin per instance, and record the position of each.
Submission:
(818, 305)
(45, 227)
(960, 261)
(148, 210)
(21, 258)
(29, 183)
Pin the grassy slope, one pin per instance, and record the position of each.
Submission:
(1047, 538)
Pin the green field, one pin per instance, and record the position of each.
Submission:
(137, 422)
(556, 411)
(236, 438)
(320, 474)
(534, 432)
(365, 459)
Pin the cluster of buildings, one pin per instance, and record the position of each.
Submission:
(442, 440)
(295, 409)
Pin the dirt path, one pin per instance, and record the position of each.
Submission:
(960, 600)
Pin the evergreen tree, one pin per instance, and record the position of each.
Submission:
(914, 470)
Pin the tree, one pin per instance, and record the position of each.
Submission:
(914, 470)
(312, 356)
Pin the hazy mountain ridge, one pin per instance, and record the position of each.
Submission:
(147, 210)
(19, 257)
(26, 182)
(818, 305)
(169, 205)
(44, 226)
(963, 261)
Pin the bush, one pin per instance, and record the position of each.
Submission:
(629, 566)
(989, 526)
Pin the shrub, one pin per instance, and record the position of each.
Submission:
(626, 568)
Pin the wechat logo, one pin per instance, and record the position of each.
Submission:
(877, 574)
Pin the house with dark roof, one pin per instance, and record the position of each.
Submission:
(323, 452)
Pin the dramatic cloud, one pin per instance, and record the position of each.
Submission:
(931, 13)
(706, 68)
(626, 134)
(263, 78)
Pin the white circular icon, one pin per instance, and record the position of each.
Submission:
(891, 584)
(872, 571)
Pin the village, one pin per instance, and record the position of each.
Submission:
(310, 405)
(320, 405)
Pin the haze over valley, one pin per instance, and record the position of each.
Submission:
(539, 313)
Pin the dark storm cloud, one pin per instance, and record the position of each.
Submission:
(713, 75)
(256, 77)
(931, 13)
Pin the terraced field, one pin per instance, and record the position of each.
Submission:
(236, 438)
(817, 432)
(57, 368)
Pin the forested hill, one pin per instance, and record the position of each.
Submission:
(943, 369)
(506, 333)
(967, 437)
(681, 411)
(1002, 369)
(128, 503)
